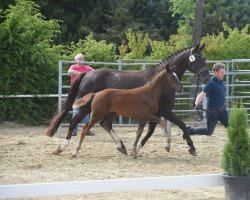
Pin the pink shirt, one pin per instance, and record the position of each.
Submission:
(79, 68)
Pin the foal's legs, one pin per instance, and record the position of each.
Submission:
(97, 115)
(150, 132)
(85, 130)
(106, 124)
(169, 115)
(73, 123)
(153, 120)
(138, 135)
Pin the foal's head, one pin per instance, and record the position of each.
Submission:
(172, 79)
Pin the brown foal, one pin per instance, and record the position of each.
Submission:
(140, 103)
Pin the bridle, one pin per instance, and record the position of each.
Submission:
(198, 75)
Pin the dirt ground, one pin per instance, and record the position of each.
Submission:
(26, 157)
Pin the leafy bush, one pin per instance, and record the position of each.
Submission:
(137, 43)
(230, 44)
(94, 50)
(236, 155)
(28, 63)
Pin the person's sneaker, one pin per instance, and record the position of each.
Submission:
(190, 132)
(90, 133)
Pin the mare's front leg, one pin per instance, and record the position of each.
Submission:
(169, 115)
(73, 123)
(139, 131)
(106, 124)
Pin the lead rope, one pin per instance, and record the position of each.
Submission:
(196, 91)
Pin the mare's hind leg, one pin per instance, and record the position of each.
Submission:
(138, 135)
(106, 124)
(73, 123)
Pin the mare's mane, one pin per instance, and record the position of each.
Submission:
(173, 55)
(165, 61)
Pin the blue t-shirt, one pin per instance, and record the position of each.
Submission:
(216, 93)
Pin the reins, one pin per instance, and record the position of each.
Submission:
(197, 109)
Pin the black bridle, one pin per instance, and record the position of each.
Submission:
(198, 75)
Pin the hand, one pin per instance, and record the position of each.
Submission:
(194, 106)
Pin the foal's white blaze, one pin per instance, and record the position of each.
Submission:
(176, 76)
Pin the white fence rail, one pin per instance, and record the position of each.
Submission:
(110, 185)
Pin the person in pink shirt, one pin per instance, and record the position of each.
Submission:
(74, 70)
(79, 67)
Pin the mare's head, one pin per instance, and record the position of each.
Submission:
(172, 79)
(197, 64)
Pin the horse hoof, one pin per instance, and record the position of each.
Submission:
(57, 151)
(122, 150)
(192, 152)
(167, 148)
(73, 155)
(133, 154)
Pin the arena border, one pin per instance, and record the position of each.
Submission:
(110, 185)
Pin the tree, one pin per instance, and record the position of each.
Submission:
(196, 40)
(94, 50)
(28, 62)
(137, 43)
(198, 22)
(235, 13)
(110, 19)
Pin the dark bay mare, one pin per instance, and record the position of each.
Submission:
(140, 103)
(94, 81)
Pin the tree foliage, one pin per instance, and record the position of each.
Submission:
(27, 61)
(110, 19)
(232, 43)
(94, 50)
(31, 44)
(235, 13)
(137, 43)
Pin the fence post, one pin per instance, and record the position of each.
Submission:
(59, 94)
(120, 68)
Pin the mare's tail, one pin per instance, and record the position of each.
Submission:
(56, 121)
(87, 99)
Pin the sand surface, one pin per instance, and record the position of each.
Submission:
(26, 157)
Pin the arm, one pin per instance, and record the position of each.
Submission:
(200, 98)
(73, 72)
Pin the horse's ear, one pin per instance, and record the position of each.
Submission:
(170, 69)
(202, 46)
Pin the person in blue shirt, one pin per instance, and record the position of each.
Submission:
(215, 91)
